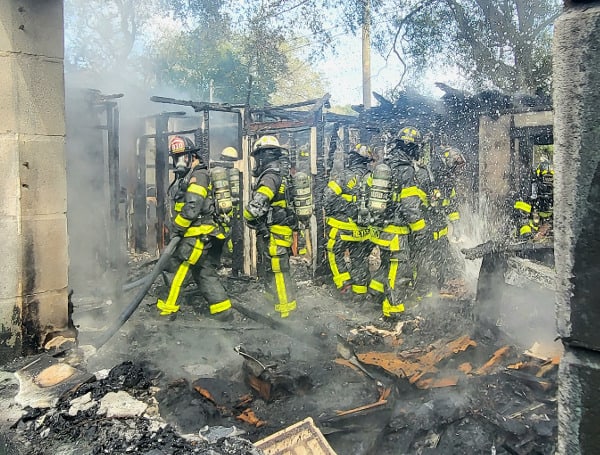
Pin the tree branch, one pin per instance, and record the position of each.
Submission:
(401, 24)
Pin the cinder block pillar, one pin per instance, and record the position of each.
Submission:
(576, 57)
(33, 229)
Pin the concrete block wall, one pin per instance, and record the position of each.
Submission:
(33, 269)
(576, 85)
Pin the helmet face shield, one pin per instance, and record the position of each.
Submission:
(262, 158)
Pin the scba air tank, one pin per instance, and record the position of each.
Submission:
(380, 189)
(234, 184)
(302, 194)
(222, 191)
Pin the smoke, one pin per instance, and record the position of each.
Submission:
(519, 301)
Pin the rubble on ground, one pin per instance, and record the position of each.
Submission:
(433, 382)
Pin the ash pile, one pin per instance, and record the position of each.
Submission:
(118, 413)
(438, 381)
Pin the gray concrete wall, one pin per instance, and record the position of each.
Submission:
(576, 56)
(33, 250)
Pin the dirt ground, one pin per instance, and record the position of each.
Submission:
(174, 363)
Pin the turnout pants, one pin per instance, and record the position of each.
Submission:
(347, 236)
(393, 281)
(275, 257)
(200, 257)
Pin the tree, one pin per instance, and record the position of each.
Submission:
(223, 49)
(501, 44)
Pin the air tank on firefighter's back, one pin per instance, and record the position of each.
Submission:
(234, 184)
(220, 182)
(380, 190)
(302, 195)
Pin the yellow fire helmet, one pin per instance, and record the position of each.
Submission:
(229, 154)
(409, 134)
(267, 142)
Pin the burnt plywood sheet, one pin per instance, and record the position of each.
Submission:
(302, 438)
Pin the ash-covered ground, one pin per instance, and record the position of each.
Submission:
(192, 373)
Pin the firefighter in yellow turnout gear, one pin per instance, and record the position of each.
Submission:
(536, 212)
(344, 201)
(395, 207)
(436, 263)
(193, 216)
(269, 213)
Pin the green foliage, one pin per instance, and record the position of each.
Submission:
(222, 50)
(504, 45)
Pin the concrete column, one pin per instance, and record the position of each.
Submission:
(576, 56)
(33, 229)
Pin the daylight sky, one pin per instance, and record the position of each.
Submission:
(344, 74)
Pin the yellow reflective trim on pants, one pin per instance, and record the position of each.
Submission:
(181, 221)
(272, 247)
(275, 264)
(281, 230)
(439, 234)
(527, 229)
(219, 307)
(445, 202)
(454, 216)
(417, 225)
(524, 206)
(285, 242)
(266, 191)
(169, 306)
(165, 309)
(283, 307)
(545, 214)
(359, 289)
(377, 286)
(387, 308)
(338, 278)
(348, 197)
(203, 229)
(284, 310)
(392, 273)
(333, 186)
(178, 206)
(282, 203)
(196, 252)
(197, 189)
(230, 246)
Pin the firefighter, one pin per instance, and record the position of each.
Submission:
(536, 212)
(226, 183)
(436, 261)
(344, 201)
(193, 217)
(269, 212)
(395, 210)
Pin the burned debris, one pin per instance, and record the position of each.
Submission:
(336, 371)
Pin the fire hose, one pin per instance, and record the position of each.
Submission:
(141, 293)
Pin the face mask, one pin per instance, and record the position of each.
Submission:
(256, 167)
(181, 166)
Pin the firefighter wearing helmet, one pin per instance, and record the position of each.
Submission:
(193, 218)
(268, 212)
(393, 220)
(347, 219)
(437, 267)
(535, 213)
